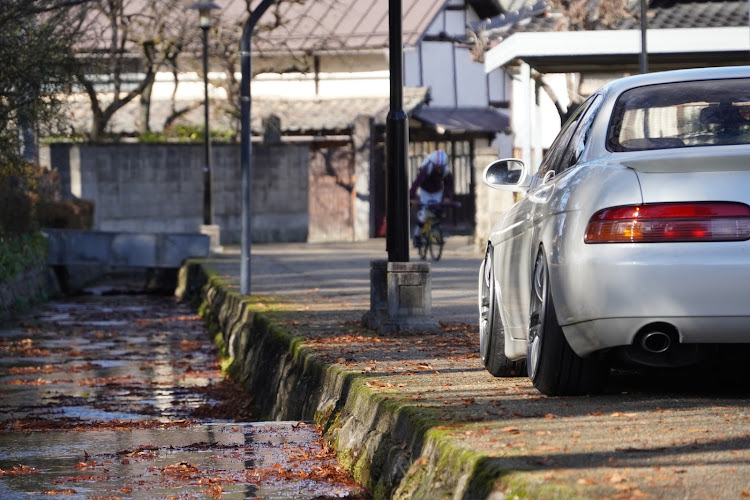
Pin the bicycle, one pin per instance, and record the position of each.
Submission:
(431, 234)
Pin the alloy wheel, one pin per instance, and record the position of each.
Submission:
(485, 310)
(537, 316)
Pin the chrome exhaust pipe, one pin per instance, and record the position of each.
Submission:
(656, 342)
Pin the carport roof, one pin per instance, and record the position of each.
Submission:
(681, 33)
(618, 50)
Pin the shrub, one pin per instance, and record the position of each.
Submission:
(17, 196)
(187, 134)
(30, 199)
(21, 252)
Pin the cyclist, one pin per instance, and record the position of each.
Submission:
(435, 183)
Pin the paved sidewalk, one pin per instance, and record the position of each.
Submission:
(341, 271)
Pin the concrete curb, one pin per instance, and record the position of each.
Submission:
(393, 448)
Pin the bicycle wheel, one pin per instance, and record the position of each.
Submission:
(436, 243)
(425, 242)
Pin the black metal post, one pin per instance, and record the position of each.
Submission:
(246, 157)
(397, 139)
(208, 211)
(644, 27)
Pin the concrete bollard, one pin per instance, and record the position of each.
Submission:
(400, 298)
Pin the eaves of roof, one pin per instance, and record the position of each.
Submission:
(467, 119)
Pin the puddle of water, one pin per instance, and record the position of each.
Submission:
(78, 322)
(93, 415)
(113, 377)
(244, 461)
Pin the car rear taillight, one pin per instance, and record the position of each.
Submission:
(670, 222)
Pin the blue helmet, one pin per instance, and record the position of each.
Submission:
(438, 157)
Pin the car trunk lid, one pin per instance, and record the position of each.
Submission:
(725, 159)
(709, 176)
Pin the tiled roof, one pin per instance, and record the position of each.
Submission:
(331, 115)
(310, 26)
(662, 14)
(302, 116)
(693, 14)
(336, 25)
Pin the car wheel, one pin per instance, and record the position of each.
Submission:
(491, 332)
(553, 367)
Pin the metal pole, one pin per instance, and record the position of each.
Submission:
(246, 157)
(208, 215)
(397, 139)
(644, 27)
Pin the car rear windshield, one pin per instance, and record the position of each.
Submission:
(681, 114)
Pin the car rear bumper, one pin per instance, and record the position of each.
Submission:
(590, 336)
(607, 293)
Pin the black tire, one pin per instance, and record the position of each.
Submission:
(436, 243)
(424, 243)
(553, 367)
(491, 332)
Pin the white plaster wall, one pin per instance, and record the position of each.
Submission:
(499, 85)
(455, 22)
(437, 63)
(413, 67)
(470, 80)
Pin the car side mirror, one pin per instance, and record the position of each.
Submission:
(509, 174)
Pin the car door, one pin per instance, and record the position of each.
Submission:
(519, 252)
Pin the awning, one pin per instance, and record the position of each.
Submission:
(463, 119)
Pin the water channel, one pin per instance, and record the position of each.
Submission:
(120, 395)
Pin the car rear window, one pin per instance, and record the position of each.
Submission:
(681, 114)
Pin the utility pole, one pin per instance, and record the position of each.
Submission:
(644, 28)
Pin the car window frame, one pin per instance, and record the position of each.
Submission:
(568, 137)
(578, 141)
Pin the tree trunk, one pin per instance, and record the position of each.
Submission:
(145, 104)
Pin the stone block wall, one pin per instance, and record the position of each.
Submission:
(159, 187)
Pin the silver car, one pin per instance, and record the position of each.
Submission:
(630, 242)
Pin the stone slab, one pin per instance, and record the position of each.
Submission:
(123, 249)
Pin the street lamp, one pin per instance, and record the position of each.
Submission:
(246, 155)
(204, 9)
